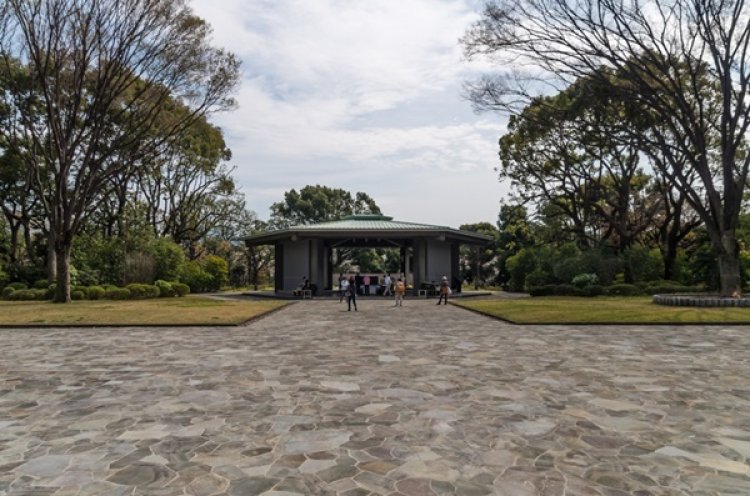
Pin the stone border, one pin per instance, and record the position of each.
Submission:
(243, 323)
(603, 323)
(699, 300)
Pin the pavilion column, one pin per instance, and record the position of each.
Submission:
(419, 261)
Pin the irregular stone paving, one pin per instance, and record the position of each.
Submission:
(409, 401)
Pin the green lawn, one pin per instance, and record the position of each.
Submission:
(620, 310)
(191, 310)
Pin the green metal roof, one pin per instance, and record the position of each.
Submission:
(367, 225)
(368, 222)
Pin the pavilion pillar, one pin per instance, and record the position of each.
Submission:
(420, 249)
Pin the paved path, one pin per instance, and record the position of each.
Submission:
(416, 400)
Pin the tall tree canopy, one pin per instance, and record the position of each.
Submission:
(319, 204)
(685, 63)
(96, 76)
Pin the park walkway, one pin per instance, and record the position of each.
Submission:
(418, 400)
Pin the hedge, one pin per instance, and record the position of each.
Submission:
(181, 289)
(142, 291)
(95, 293)
(623, 290)
(117, 294)
(165, 288)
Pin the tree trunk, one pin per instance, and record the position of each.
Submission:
(51, 259)
(670, 260)
(62, 256)
(729, 265)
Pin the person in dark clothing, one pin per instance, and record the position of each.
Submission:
(445, 290)
(351, 295)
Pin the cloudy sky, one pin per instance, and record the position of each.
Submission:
(361, 95)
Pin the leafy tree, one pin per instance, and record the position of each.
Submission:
(479, 264)
(684, 64)
(102, 71)
(314, 204)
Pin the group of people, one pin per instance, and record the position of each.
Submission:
(348, 288)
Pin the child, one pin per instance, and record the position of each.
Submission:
(400, 291)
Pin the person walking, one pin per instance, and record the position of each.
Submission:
(366, 282)
(351, 294)
(400, 290)
(445, 290)
(387, 285)
(343, 287)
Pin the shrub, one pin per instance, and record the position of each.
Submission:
(537, 278)
(519, 266)
(584, 280)
(557, 290)
(142, 291)
(194, 276)
(594, 290)
(41, 284)
(18, 285)
(51, 290)
(218, 269)
(107, 287)
(623, 290)
(165, 288)
(8, 292)
(673, 288)
(77, 295)
(29, 295)
(95, 293)
(546, 290)
(117, 294)
(180, 289)
(168, 258)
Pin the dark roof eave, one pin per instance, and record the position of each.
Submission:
(463, 236)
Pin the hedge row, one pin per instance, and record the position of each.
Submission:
(614, 290)
(161, 289)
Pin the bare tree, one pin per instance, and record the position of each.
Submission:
(685, 62)
(103, 70)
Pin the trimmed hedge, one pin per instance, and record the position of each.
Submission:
(41, 284)
(181, 289)
(142, 291)
(623, 290)
(28, 295)
(673, 288)
(8, 292)
(165, 289)
(117, 294)
(95, 293)
(18, 285)
(77, 295)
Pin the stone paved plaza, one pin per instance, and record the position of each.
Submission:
(418, 400)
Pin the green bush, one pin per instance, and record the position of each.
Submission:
(168, 258)
(142, 291)
(41, 284)
(95, 293)
(180, 289)
(117, 294)
(29, 295)
(594, 290)
(192, 274)
(623, 290)
(107, 287)
(584, 280)
(51, 291)
(18, 285)
(77, 295)
(165, 288)
(520, 266)
(218, 269)
(557, 290)
(8, 292)
(673, 288)
(537, 278)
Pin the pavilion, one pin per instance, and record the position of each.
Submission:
(427, 252)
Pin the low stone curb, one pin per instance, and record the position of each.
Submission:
(146, 326)
(604, 323)
(685, 300)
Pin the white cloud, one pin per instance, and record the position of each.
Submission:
(355, 93)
